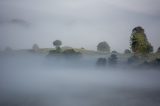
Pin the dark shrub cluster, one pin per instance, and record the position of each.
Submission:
(101, 62)
(112, 60)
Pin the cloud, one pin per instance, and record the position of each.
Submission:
(19, 22)
(149, 7)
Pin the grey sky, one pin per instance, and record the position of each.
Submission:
(78, 23)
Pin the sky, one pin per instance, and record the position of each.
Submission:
(77, 23)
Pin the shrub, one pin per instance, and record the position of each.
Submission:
(112, 60)
(114, 52)
(127, 51)
(101, 61)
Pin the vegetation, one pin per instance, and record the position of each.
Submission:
(114, 52)
(112, 60)
(101, 62)
(103, 47)
(127, 51)
(139, 42)
(71, 53)
(57, 44)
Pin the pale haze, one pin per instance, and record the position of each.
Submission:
(77, 23)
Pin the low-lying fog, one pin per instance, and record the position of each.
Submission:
(34, 80)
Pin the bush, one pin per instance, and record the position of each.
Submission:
(127, 51)
(114, 52)
(101, 61)
(112, 60)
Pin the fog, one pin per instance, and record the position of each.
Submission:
(36, 80)
(47, 76)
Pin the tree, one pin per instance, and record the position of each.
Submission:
(112, 60)
(57, 44)
(139, 42)
(127, 51)
(35, 47)
(103, 47)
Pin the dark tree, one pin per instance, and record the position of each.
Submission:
(103, 47)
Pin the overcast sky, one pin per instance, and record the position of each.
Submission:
(77, 23)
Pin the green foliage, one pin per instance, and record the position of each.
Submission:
(139, 42)
(112, 60)
(103, 47)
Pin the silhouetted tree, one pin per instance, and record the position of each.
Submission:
(112, 60)
(35, 47)
(103, 47)
(57, 44)
(139, 42)
(127, 51)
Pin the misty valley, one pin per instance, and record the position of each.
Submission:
(30, 78)
(79, 53)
